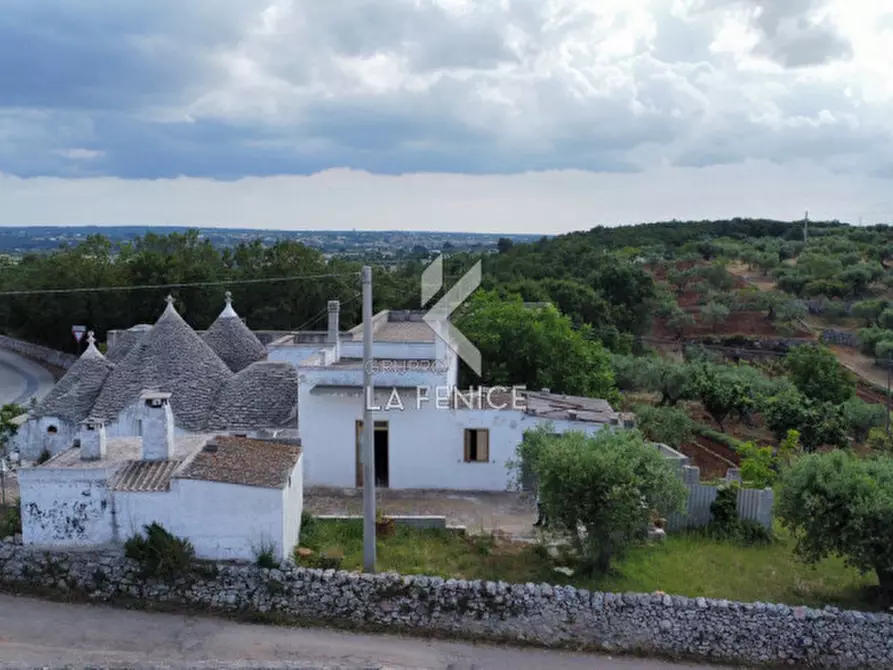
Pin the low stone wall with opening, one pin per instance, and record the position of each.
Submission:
(699, 628)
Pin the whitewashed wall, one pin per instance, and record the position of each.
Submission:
(65, 507)
(292, 506)
(73, 507)
(223, 521)
(394, 350)
(293, 353)
(426, 446)
(32, 437)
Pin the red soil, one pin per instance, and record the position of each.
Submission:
(712, 458)
(752, 324)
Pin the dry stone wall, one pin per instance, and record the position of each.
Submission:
(696, 628)
(38, 353)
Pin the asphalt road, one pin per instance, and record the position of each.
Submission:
(35, 633)
(21, 379)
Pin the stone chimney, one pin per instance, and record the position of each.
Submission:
(334, 322)
(158, 426)
(91, 433)
(333, 333)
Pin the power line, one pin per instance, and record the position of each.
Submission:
(314, 319)
(142, 287)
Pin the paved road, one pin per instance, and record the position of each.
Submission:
(21, 379)
(35, 633)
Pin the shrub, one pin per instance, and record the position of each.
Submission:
(44, 456)
(817, 374)
(308, 521)
(667, 425)
(759, 465)
(725, 523)
(266, 556)
(10, 520)
(160, 554)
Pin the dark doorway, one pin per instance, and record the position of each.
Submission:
(382, 460)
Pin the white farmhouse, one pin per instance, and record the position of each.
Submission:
(232, 497)
(427, 435)
(219, 382)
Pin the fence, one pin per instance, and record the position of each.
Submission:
(753, 504)
(36, 352)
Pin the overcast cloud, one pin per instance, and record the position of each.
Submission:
(304, 113)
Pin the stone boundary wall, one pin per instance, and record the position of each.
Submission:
(658, 624)
(36, 352)
(841, 338)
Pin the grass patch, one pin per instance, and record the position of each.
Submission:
(689, 564)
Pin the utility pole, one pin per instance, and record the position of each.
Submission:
(367, 445)
(889, 362)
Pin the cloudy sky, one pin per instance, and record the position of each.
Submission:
(490, 115)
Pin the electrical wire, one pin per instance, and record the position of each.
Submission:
(143, 287)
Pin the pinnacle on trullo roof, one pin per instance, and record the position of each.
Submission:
(72, 398)
(232, 340)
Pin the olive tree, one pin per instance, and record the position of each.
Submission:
(815, 371)
(667, 425)
(838, 504)
(609, 485)
(714, 313)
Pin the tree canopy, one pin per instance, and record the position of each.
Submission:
(838, 504)
(611, 484)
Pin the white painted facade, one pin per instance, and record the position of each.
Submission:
(223, 521)
(425, 438)
(426, 447)
(72, 500)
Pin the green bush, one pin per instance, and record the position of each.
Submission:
(725, 523)
(44, 456)
(10, 520)
(667, 425)
(160, 554)
(266, 556)
(308, 521)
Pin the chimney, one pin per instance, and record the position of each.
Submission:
(91, 434)
(158, 426)
(334, 326)
(333, 334)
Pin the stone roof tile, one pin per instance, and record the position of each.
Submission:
(240, 460)
(170, 357)
(263, 395)
(73, 396)
(232, 340)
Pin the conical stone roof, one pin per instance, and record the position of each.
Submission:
(170, 357)
(73, 396)
(263, 395)
(232, 341)
(125, 341)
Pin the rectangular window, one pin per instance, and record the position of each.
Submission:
(477, 445)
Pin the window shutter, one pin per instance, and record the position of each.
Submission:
(484, 446)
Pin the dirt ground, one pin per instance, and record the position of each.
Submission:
(479, 512)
